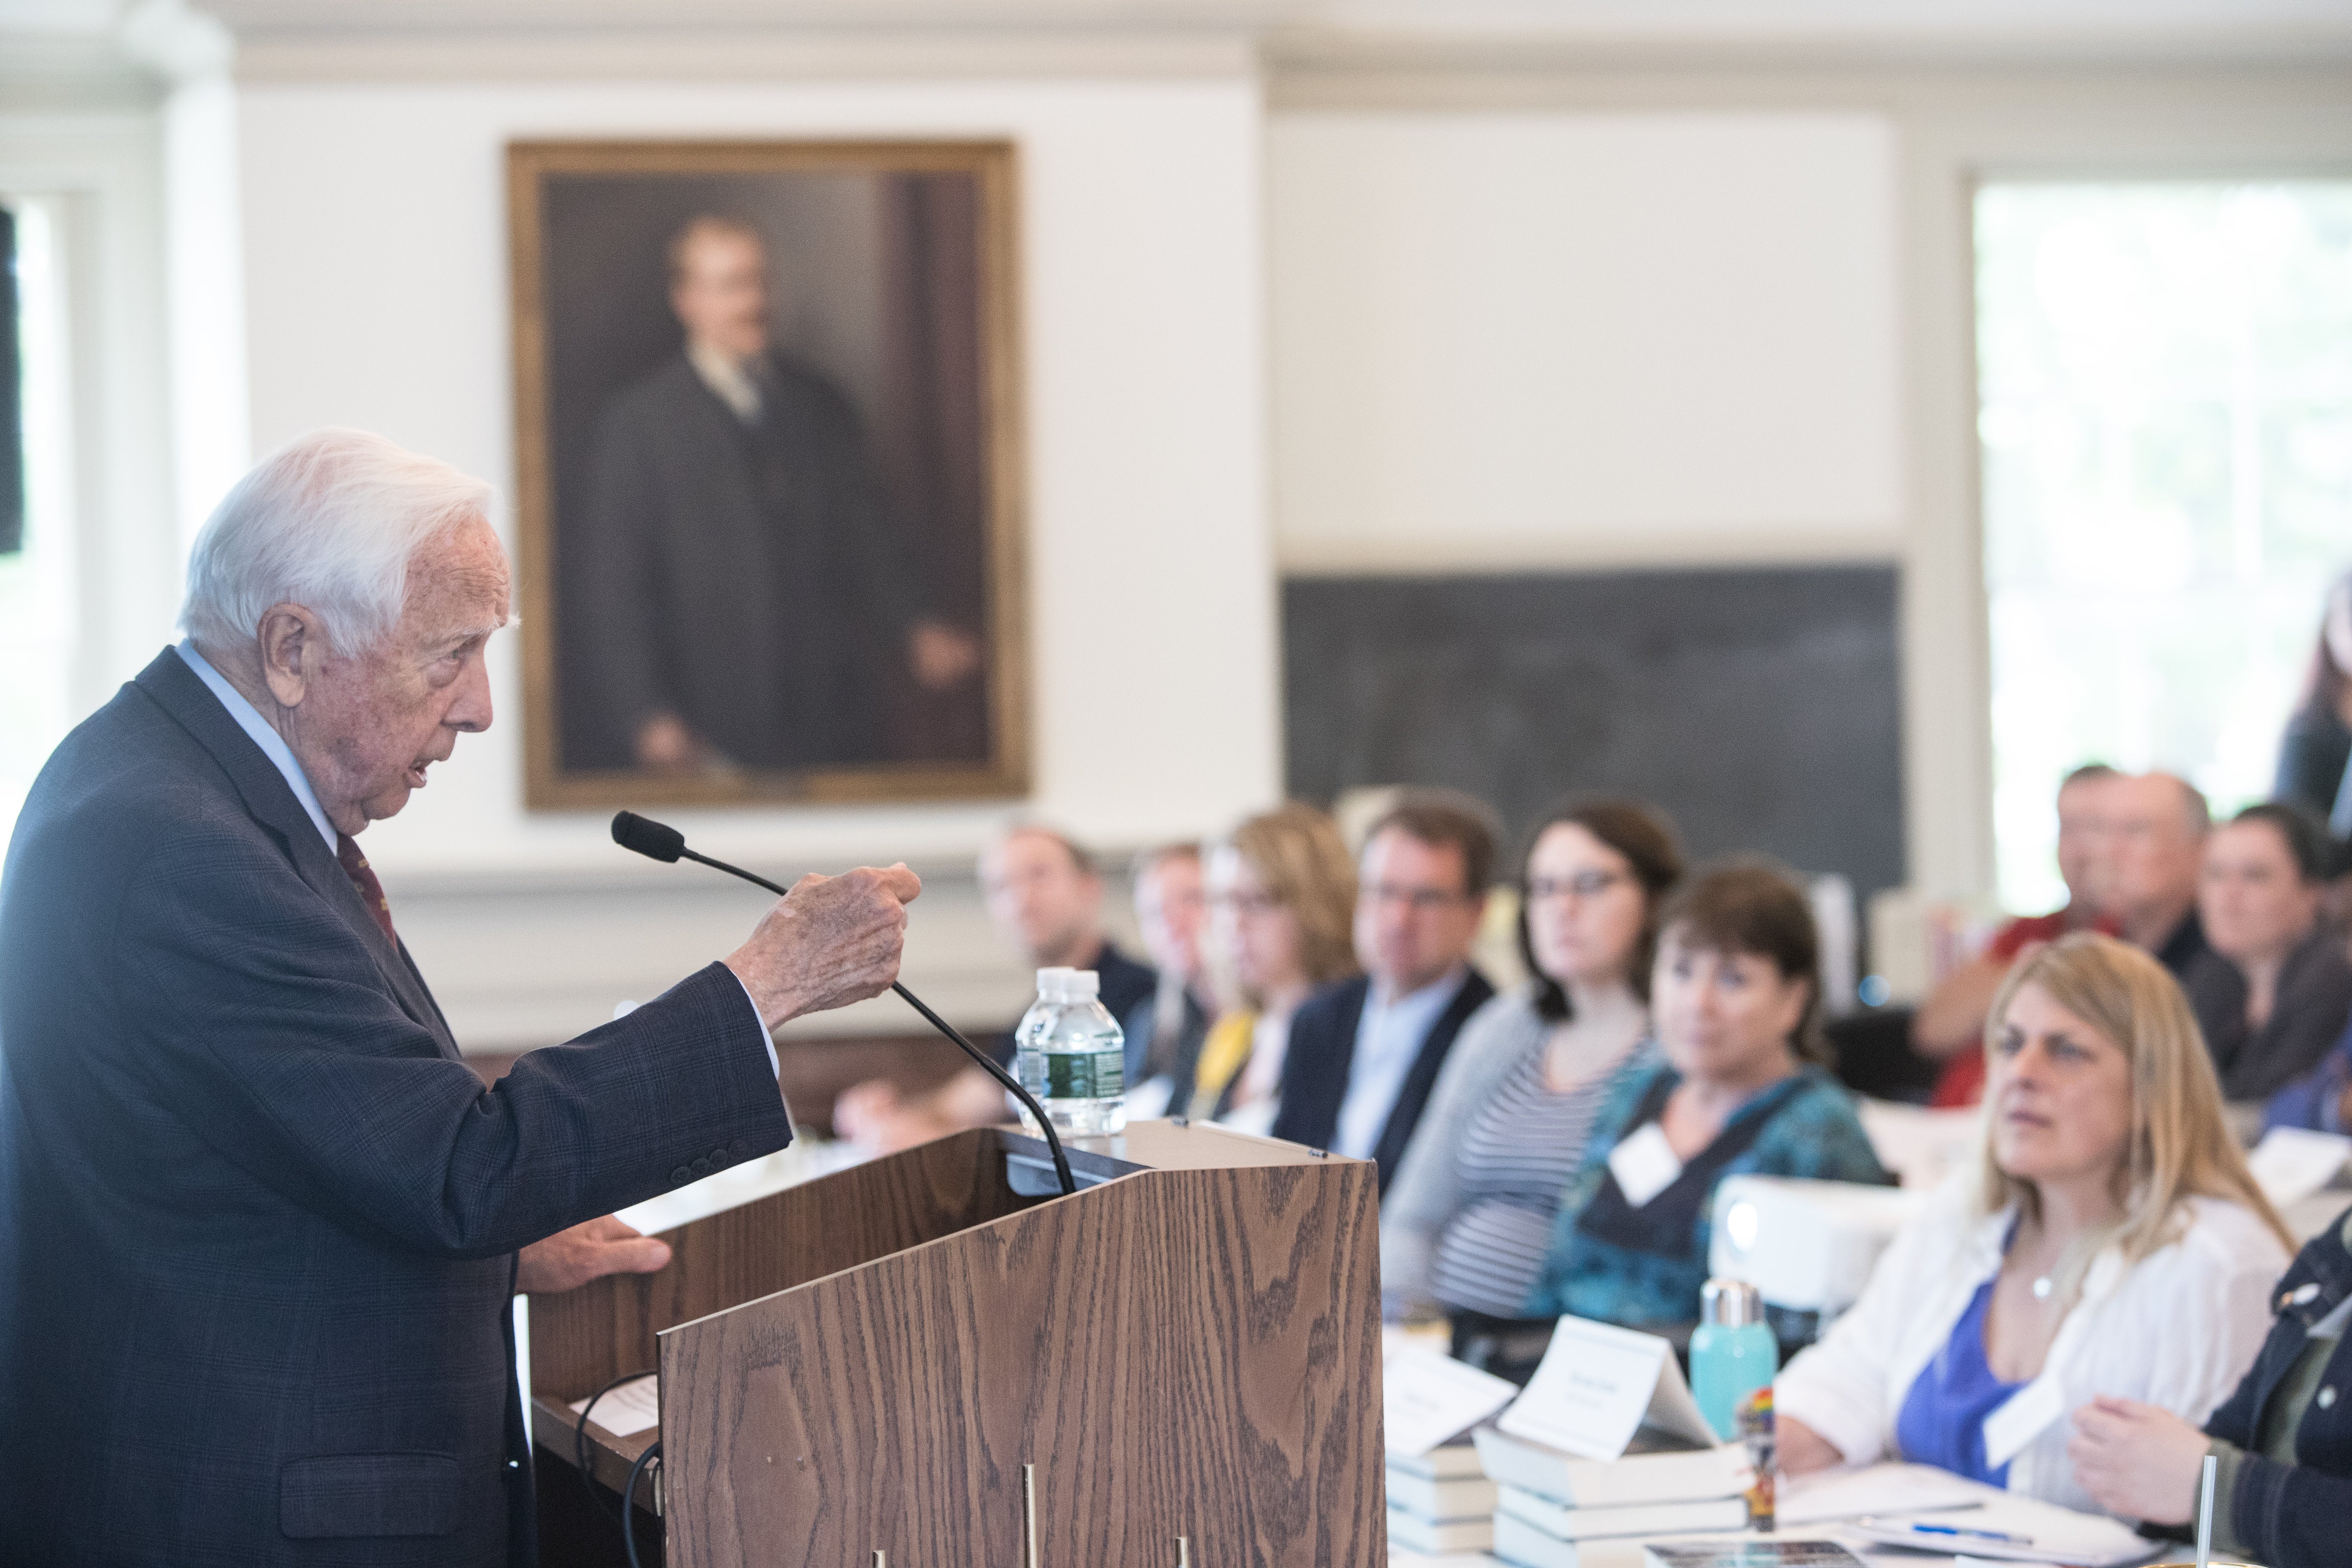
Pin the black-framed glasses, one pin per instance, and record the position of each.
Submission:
(1583, 885)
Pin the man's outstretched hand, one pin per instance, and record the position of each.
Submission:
(831, 941)
(570, 1258)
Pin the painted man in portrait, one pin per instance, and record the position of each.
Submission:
(745, 594)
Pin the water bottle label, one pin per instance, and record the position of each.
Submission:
(1083, 1075)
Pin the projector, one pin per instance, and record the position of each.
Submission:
(1807, 1247)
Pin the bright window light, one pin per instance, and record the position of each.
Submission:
(36, 581)
(2165, 376)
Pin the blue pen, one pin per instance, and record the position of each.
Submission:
(1971, 1534)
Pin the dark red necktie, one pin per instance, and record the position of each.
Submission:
(356, 867)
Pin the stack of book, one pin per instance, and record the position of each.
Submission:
(1440, 1502)
(1546, 1501)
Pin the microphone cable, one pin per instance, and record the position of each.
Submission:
(658, 841)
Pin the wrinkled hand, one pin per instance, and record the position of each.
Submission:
(2138, 1461)
(831, 942)
(570, 1258)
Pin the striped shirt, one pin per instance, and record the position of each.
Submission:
(1517, 1157)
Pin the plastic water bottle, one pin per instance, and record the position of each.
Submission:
(1733, 1352)
(1028, 1060)
(1081, 1056)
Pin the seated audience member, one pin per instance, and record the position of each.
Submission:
(2315, 751)
(1165, 1032)
(2108, 1241)
(1282, 892)
(2156, 826)
(1950, 1025)
(2273, 990)
(2284, 1485)
(1466, 1221)
(1046, 898)
(1735, 998)
(1364, 1054)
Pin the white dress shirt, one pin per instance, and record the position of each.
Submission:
(281, 755)
(1389, 1036)
(729, 379)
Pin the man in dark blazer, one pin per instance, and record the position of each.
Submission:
(1364, 1053)
(736, 587)
(259, 1223)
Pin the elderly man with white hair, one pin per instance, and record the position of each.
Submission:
(260, 1224)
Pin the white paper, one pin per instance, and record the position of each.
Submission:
(2025, 1416)
(1886, 1492)
(633, 1407)
(1596, 1386)
(1427, 1397)
(2291, 1163)
(1644, 1164)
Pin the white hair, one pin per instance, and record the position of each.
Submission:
(330, 521)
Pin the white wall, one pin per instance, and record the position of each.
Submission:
(374, 243)
(1576, 338)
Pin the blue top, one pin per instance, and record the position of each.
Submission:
(1641, 1267)
(1943, 1416)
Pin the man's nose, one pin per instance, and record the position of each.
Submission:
(470, 713)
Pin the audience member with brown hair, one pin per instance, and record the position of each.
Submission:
(1165, 1032)
(1364, 1054)
(2274, 989)
(2107, 1243)
(1282, 897)
(1734, 999)
(1466, 1221)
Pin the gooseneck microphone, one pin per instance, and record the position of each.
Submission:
(659, 841)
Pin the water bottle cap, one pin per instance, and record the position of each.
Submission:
(1730, 1303)
(1080, 985)
(1050, 982)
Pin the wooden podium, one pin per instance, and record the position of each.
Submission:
(896, 1358)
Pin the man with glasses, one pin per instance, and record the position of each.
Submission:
(1364, 1053)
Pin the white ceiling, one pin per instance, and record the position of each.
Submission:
(2129, 26)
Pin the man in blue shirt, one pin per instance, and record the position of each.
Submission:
(1364, 1053)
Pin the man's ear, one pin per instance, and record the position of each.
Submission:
(293, 644)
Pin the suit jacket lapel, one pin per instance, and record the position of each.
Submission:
(179, 692)
(1413, 1093)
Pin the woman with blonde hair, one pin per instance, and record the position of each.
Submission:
(1282, 904)
(2108, 1243)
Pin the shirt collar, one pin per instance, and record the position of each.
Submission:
(729, 380)
(1431, 997)
(273, 744)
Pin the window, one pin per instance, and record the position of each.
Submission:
(37, 597)
(2165, 376)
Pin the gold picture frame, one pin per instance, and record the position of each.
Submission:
(579, 281)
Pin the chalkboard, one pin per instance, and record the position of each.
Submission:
(1759, 706)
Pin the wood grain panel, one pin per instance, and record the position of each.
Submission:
(582, 1339)
(1181, 1352)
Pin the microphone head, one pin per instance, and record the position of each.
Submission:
(646, 836)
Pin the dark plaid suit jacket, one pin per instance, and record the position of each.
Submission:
(258, 1220)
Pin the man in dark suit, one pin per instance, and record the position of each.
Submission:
(736, 581)
(259, 1223)
(1364, 1054)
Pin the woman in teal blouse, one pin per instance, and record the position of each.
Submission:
(1737, 1007)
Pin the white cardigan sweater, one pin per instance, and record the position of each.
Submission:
(2176, 1330)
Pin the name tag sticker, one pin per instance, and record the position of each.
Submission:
(1644, 1164)
(2026, 1415)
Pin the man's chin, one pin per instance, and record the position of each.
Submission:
(386, 802)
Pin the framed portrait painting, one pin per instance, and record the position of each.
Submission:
(768, 449)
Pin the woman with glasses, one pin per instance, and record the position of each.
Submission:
(1282, 894)
(1471, 1210)
(2099, 1275)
